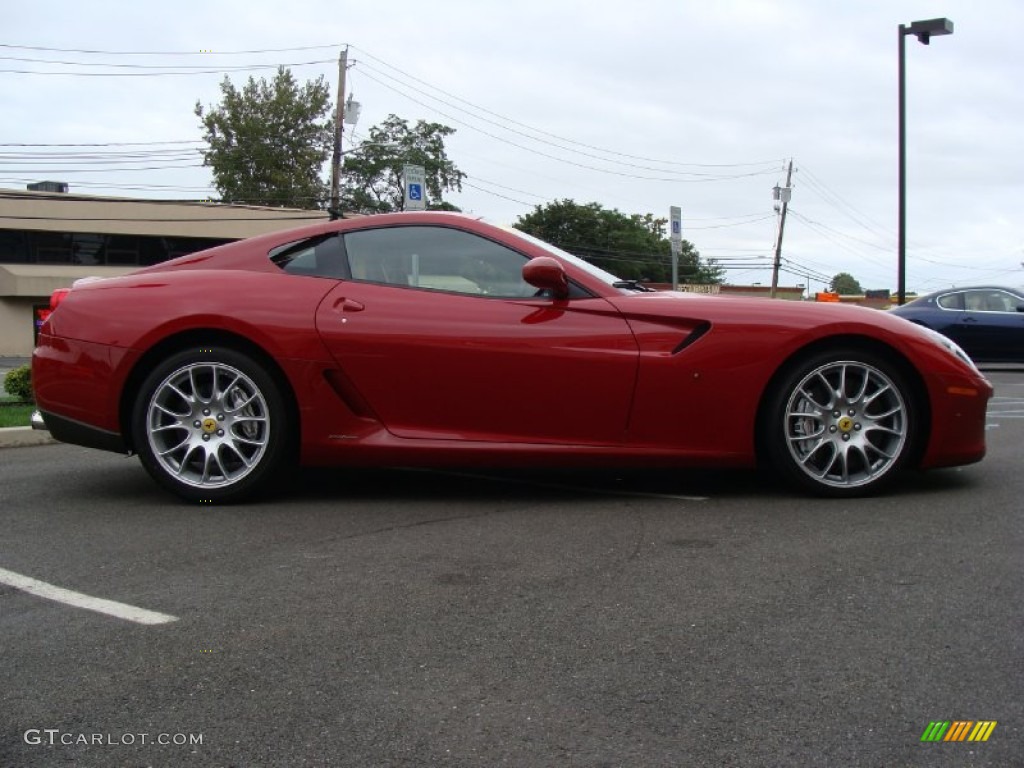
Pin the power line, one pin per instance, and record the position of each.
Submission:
(842, 234)
(843, 206)
(824, 232)
(506, 119)
(93, 159)
(167, 53)
(497, 194)
(677, 178)
(762, 217)
(105, 170)
(590, 155)
(63, 62)
(67, 198)
(805, 270)
(217, 71)
(179, 220)
(108, 185)
(105, 143)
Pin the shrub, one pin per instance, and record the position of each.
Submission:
(18, 383)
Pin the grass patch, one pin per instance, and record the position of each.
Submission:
(15, 413)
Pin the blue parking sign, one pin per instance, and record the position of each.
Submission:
(414, 179)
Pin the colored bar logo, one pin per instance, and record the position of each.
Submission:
(958, 730)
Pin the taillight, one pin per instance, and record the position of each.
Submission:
(57, 297)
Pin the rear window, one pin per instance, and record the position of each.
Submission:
(951, 301)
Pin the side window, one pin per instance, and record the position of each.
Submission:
(437, 259)
(1003, 302)
(316, 257)
(951, 301)
(989, 301)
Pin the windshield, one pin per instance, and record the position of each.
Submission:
(586, 266)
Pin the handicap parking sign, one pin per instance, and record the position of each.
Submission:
(414, 179)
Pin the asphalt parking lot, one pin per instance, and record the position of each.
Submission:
(400, 618)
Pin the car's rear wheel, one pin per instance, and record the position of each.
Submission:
(841, 423)
(210, 425)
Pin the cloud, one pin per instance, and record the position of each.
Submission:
(612, 99)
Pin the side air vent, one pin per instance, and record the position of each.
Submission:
(698, 331)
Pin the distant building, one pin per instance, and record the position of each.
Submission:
(880, 299)
(786, 292)
(49, 238)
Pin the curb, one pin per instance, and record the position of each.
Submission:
(19, 437)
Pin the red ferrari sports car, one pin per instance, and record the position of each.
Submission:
(435, 339)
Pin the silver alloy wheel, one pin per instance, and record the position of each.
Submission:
(846, 424)
(208, 425)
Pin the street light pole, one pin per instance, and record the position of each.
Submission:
(901, 227)
(923, 31)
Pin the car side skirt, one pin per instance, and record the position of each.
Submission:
(77, 433)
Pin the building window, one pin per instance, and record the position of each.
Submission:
(95, 249)
(14, 248)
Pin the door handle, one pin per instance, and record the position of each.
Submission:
(348, 305)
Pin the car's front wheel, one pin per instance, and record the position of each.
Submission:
(841, 423)
(210, 425)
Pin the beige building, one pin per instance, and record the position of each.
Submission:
(50, 239)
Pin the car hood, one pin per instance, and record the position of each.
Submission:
(800, 320)
(712, 307)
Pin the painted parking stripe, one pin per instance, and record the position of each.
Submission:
(78, 600)
(1005, 408)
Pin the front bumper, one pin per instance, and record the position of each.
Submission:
(959, 414)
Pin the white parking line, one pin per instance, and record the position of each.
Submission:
(78, 600)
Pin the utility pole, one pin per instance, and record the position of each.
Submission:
(783, 194)
(334, 208)
(675, 215)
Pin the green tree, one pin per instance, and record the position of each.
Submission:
(633, 247)
(845, 284)
(268, 142)
(372, 173)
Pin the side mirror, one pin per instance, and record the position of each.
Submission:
(548, 274)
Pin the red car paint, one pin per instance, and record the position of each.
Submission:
(385, 374)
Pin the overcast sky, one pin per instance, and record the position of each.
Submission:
(637, 106)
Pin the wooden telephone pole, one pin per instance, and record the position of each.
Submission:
(784, 193)
(334, 208)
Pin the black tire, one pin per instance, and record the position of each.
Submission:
(841, 423)
(210, 425)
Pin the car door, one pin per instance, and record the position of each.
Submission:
(991, 328)
(949, 317)
(441, 336)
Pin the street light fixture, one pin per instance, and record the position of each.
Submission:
(924, 31)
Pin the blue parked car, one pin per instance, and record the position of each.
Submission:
(987, 321)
